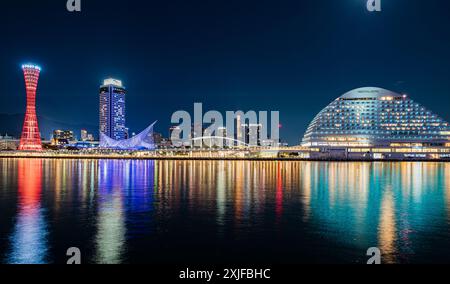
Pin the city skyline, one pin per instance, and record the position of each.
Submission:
(229, 56)
(227, 139)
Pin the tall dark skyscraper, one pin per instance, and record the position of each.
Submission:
(112, 109)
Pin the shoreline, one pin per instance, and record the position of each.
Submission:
(262, 159)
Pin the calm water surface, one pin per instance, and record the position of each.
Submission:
(223, 211)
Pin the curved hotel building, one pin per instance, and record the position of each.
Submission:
(374, 123)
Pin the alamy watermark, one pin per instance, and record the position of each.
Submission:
(374, 5)
(250, 129)
(74, 254)
(375, 255)
(73, 5)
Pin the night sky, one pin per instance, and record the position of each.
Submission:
(292, 56)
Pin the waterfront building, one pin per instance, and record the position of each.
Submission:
(84, 135)
(8, 143)
(157, 138)
(175, 136)
(62, 137)
(31, 138)
(89, 144)
(141, 141)
(270, 143)
(220, 137)
(239, 132)
(112, 109)
(377, 123)
(64, 134)
(164, 143)
(253, 135)
(244, 130)
(196, 136)
(207, 141)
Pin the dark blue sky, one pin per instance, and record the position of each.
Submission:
(292, 56)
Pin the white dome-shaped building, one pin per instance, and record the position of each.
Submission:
(375, 117)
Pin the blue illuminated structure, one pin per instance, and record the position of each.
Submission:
(112, 109)
(142, 141)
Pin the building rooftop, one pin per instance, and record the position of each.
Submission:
(114, 82)
(31, 66)
(369, 92)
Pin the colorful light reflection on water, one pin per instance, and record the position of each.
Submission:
(119, 211)
(29, 237)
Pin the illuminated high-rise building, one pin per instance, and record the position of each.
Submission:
(375, 117)
(112, 109)
(253, 134)
(31, 137)
(84, 135)
(239, 134)
(175, 136)
(221, 134)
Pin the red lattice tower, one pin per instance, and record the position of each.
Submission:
(31, 137)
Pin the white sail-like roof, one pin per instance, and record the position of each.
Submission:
(143, 140)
